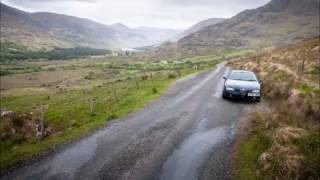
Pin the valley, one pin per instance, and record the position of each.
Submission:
(85, 100)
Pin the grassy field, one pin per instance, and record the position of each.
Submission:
(79, 96)
(284, 142)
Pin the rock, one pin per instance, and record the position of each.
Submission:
(5, 114)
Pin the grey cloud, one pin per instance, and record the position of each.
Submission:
(222, 3)
(47, 1)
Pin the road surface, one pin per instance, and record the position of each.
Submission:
(186, 134)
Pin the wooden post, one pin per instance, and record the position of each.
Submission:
(114, 92)
(319, 65)
(303, 61)
(42, 126)
(91, 103)
(151, 77)
(42, 121)
(136, 80)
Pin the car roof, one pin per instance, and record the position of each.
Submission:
(241, 71)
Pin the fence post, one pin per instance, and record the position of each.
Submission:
(137, 83)
(114, 92)
(90, 102)
(319, 66)
(42, 121)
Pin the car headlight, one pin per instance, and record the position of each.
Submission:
(256, 91)
(229, 89)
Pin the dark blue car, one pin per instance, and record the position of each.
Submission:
(242, 84)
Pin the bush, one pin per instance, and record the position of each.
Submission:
(113, 116)
(172, 76)
(310, 148)
(4, 72)
(154, 90)
(17, 121)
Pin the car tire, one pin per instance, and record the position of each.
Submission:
(224, 96)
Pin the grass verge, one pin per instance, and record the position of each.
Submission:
(284, 142)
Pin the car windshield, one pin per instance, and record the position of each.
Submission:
(242, 76)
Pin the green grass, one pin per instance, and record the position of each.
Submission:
(280, 75)
(249, 152)
(310, 149)
(308, 89)
(11, 51)
(72, 106)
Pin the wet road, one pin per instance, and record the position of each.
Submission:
(186, 134)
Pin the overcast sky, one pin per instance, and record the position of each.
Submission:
(178, 14)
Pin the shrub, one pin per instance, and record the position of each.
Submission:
(112, 116)
(154, 90)
(17, 121)
(172, 76)
(4, 72)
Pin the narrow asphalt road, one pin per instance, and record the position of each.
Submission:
(186, 134)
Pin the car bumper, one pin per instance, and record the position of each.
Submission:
(241, 94)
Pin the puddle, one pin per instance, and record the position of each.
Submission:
(185, 161)
(70, 160)
(202, 125)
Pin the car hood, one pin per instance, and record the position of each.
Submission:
(248, 85)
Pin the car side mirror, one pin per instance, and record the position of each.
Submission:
(260, 82)
(225, 78)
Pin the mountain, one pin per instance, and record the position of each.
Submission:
(45, 31)
(278, 23)
(20, 27)
(201, 25)
(145, 36)
(48, 30)
(157, 35)
(128, 36)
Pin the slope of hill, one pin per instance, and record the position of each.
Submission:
(158, 35)
(45, 31)
(128, 36)
(284, 141)
(277, 23)
(202, 24)
(20, 27)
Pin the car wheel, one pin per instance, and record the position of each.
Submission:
(224, 96)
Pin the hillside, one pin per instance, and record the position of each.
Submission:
(283, 142)
(202, 24)
(20, 27)
(277, 23)
(45, 31)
